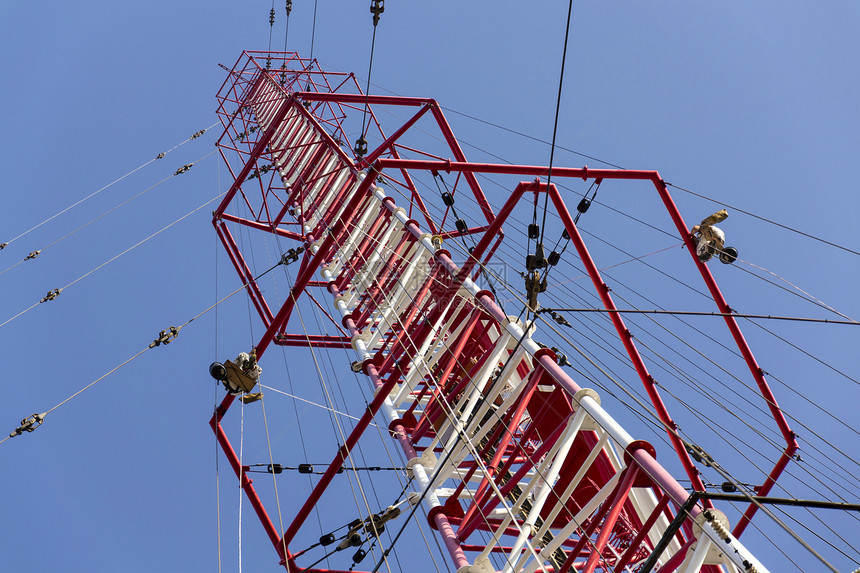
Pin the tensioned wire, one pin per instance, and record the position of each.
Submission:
(332, 375)
(149, 347)
(109, 211)
(242, 231)
(340, 431)
(553, 327)
(670, 277)
(796, 292)
(783, 488)
(733, 351)
(800, 423)
(112, 183)
(359, 449)
(755, 405)
(337, 427)
(801, 541)
(634, 257)
(110, 260)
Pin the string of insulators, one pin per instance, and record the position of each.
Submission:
(310, 469)
(377, 7)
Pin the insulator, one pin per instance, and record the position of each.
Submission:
(359, 555)
(554, 257)
(540, 257)
(462, 226)
(729, 487)
(327, 539)
(728, 255)
(275, 468)
(583, 205)
(447, 199)
(306, 468)
(360, 146)
(217, 371)
(534, 231)
(565, 235)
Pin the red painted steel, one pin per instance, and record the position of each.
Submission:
(485, 392)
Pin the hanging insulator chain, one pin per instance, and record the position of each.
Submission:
(291, 256)
(52, 294)
(377, 7)
(261, 171)
(197, 134)
(165, 336)
(183, 169)
(272, 17)
(28, 424)
(289, 6)
(585, 202)
(32, 255)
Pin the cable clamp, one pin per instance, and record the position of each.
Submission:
(377, 7)
(160, 155)
(534, 286)
(559, 319)
(52, 294)
(197, 134)
(291, 256)
(3, 246)
(700, 455)
(165, 337)
(32, 255)
(29, 424)
(183, 169)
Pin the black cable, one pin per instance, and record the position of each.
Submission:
(313, 31)
(361, 144)
(694, 313)
(555, 123)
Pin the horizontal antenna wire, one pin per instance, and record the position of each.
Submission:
(694, 313)
(115, 257)
(726, 475)
(94, 193)
(151, 346)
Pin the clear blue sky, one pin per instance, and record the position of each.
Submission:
(753, 105)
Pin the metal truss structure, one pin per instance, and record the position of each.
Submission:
(502, 443)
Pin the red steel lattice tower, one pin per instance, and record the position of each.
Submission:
(499, 439)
